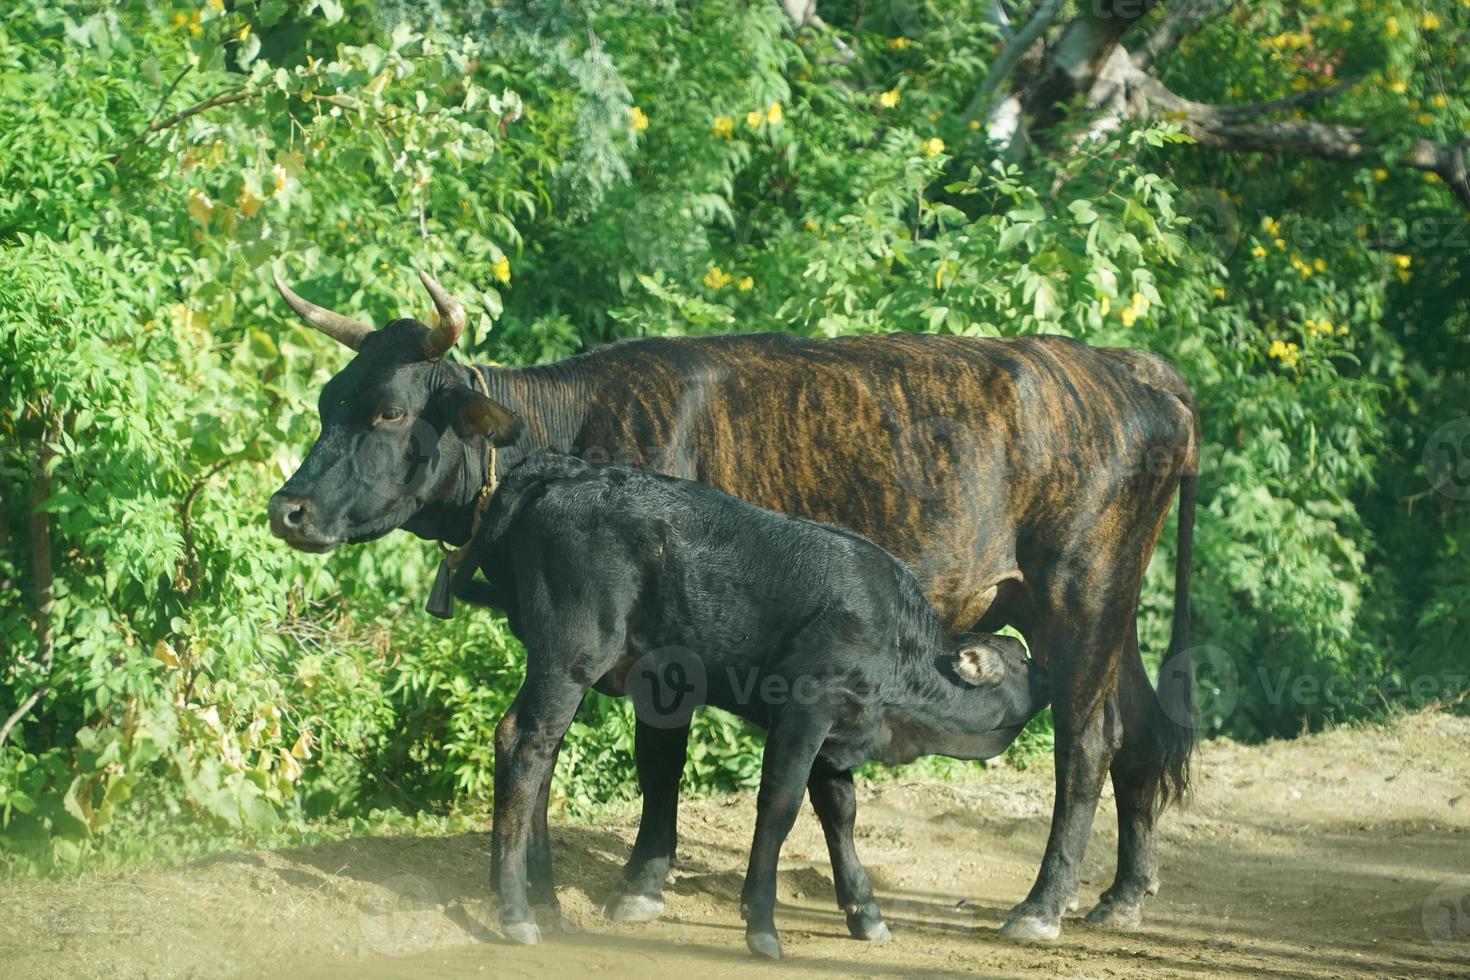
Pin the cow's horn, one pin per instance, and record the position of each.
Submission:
(340, 328)
(451, 319)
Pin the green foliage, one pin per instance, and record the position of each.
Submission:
(580, 172)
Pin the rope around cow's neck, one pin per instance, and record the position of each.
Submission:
(454, 558)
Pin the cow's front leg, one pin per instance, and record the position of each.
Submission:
(791, 748)
(835, 801)
(659, 754)
(526, 743)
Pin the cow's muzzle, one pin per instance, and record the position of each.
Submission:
(291, 521)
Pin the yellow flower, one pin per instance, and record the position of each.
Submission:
(754, 118)
(218, 6)
(1104, 307)
(717, 278)
(889, 99)
(1402, 261)
(196, 26)
(746, 284)
(773, 113)
(179, 20)
(974, 124)
(1391, 27)
(1272, 226)
(812, 224)
(1128, 315)
(933, 146)
(200, 207)
(898, 43)
(248, 203)
(1379, 174)
(1430, 21)
(724, 127)
(638, 118)
(1398, 86)
(500, 269)
(1342, 330)
(1259, 251)
(1139, 304)
(1320, 265)
(1218, 292)
(1439, 101)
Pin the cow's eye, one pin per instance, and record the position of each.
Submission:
(390, 413)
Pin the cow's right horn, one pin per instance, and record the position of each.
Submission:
(342, 329)
(447, 331)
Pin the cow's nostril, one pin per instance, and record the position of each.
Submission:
(295, 516)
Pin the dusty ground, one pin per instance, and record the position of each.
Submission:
(1340, 854)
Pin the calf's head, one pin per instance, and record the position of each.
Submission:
(401, 430)
(1014, 688)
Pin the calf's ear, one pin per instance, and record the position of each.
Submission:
(474, 414)
(980, 664)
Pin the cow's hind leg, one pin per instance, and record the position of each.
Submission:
(1137, 771)
(659, 755)
(1088, 732)
(835, 801)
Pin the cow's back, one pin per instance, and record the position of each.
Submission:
(947, 451)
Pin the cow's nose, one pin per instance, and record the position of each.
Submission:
(289, 515)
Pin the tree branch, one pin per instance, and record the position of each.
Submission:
(1006, 60)
(1176, 24)
(1222, 127)
(42, 569)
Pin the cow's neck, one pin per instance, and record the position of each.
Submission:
(551, 402)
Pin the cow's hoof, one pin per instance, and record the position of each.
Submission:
(1072, 905)
(1116, 915)
(1027, 926)
(868, 925)
(636, 908)
(763, 944)
(522, 933)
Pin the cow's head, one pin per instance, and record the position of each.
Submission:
(403, 432)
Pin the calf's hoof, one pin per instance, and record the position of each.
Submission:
(763, 944)
(867, 924)
(636, 908)
(1027, 925)
(1116, 915)
(522, 933)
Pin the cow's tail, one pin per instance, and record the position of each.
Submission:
(1175, 725)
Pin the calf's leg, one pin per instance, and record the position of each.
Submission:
(659, 754)
(835, 801)
(537, 723)
(791, 748)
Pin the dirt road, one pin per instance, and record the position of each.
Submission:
(1335, 855)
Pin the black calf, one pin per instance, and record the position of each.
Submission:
(676, 594)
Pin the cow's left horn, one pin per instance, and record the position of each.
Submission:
(451, 319)
(342, 329)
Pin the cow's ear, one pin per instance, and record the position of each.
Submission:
(980, 663)
(477, 415)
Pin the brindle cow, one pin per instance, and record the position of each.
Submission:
(1024, 480)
